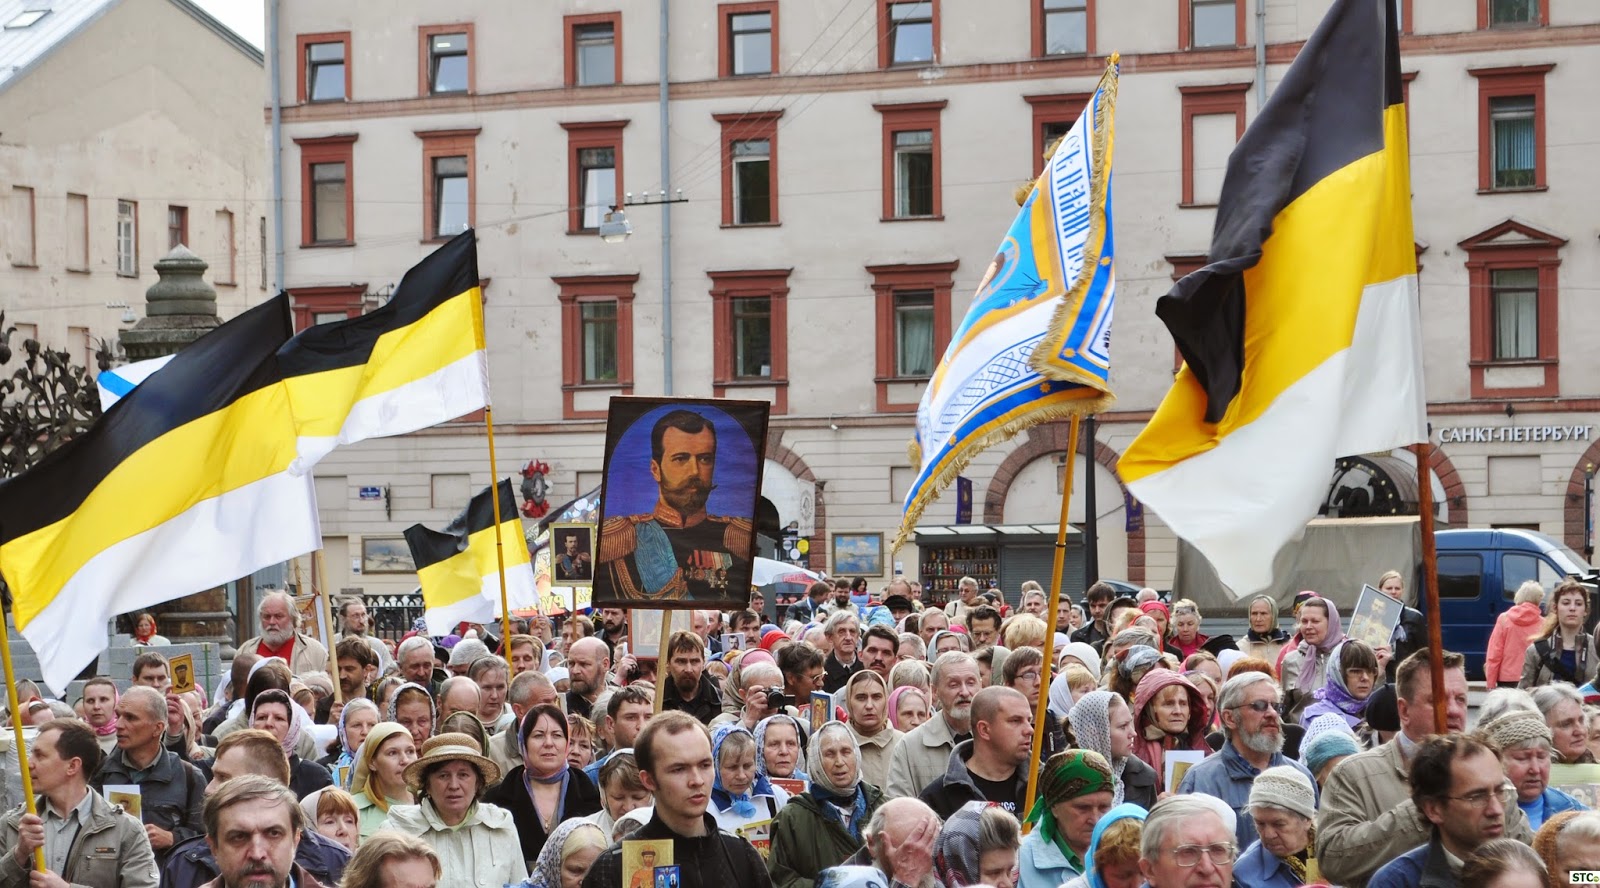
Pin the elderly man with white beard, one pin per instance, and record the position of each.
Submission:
(924, 754)
(1253, 727)
(279, 620)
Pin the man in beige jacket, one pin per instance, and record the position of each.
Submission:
(86, 840)
(279, 636)
(924, 754)
(1367, 816)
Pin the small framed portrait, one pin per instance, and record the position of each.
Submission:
(858, 554)
(386, 555)
(182, 673)
(572, 554)
(640, 860)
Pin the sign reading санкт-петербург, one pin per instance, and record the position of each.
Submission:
(1530, 434)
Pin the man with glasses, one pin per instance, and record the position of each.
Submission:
(1459, 787)
(1367, 816)
(1253, 730)
(1186, 844)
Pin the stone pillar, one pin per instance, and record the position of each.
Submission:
(180, 308)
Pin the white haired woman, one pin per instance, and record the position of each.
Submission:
(1513, 632)
(1284, 807)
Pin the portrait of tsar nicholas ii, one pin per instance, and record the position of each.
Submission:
(677, 513)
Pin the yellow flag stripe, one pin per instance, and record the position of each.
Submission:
(452, 331)
(460, 577)
(223, 451)
(1301, 301)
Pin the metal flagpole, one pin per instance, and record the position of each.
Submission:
(499, 544)
(1050, 635)
(16, 728)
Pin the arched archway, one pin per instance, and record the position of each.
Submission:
(1573, 524)
(795, 465)
(1050, 439)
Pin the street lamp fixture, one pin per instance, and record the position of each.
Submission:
(615, 227)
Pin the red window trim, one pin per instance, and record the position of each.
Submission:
(886, 281)
(886, 51)
(1053, 108)
(308, 302)
(727, 286)
(1186, 39)
(1503, 82)
(1183, 265)
(328, 149)
(1222, 98)
(590, 134)
(738, 128)
(72, 261)
(574, 291)
(1483, 16)
(1036, 22)
(725, 14)
(1488, 252)
(570, 25)
(424, 35)
(898, 117)
(302, 41)
(448, 143)
(1405, 17)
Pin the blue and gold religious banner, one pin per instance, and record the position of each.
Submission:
(1035, 344)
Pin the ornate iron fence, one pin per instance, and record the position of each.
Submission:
(393, 615)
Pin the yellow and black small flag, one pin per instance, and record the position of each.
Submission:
(1301, 337)
(458, 567)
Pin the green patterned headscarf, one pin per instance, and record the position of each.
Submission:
(1068, 775)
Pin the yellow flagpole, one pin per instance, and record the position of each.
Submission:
(499, 544)
(1050, 634)
(16, 728)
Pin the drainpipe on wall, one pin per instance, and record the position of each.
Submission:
(1261, 54)
(666, 215)
(277, 142)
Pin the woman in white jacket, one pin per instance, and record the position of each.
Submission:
(476, 842)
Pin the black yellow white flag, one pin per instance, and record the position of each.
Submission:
(459, 569)
(1300, 337)
(415, 362)
(185, 484)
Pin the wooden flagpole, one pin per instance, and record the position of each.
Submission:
(499, 544)
(1430, 583)
(319, 569)
(1046, 667)
(16, 728)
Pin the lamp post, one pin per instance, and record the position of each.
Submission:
(1588, 511)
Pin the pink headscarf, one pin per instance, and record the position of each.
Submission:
(894, 702)
(110, 727)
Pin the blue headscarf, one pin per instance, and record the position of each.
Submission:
(761, 745)
(743, 804)
(1120, 812)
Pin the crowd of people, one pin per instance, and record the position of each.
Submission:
(855, 740)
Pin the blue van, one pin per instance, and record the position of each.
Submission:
(1479, 572)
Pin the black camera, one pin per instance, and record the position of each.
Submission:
(776, 698)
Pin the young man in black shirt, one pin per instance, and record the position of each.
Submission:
(674, 756)
(992, 766)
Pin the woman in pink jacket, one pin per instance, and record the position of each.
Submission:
(1513, 632)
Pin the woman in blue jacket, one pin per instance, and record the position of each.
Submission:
(1283, 806)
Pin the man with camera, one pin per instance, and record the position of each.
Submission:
(760, 692)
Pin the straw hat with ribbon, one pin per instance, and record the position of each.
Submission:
(451, 748)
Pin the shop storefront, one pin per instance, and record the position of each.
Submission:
(1003, 555)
